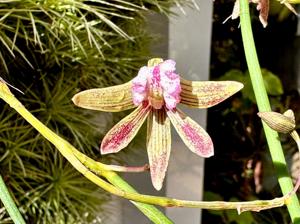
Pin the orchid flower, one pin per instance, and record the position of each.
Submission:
(155, 92)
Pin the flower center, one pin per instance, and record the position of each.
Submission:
(155, 95)
(156, 99)
(158, 84)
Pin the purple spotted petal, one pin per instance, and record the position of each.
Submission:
(158, 145)
(124, 131)
(204, 94)
(192, 134)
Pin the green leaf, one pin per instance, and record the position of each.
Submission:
(245, 217)
(238, 75)
(9, 203)
(212, 196)
(234, 216)
(272, 83)
(235, 75)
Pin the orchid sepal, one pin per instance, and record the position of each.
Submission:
(111, 99)
(205, 94)
(158, 145)
(125, 130)
(192, 134)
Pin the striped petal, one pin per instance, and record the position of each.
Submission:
(124, 131)
(204, 94)
(112, 99)
(158, 145)
(192, 134)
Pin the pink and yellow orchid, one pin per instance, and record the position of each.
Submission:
(156, 91)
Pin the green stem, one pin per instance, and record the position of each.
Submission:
(262, 100)
(112, 177)
(155, 215)
(9, 204)
(101, 169)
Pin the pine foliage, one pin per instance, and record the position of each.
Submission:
(52, 49)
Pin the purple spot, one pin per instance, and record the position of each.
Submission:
(159, 164)
(158, 169)
(156, 77)
(198, 139)
(117, 137)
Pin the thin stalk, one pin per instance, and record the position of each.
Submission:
(9, 204)
(257, 205)
(116, 180)
(263, 104)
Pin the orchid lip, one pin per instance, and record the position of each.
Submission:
(158, 84)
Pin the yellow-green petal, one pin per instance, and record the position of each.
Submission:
(204, 94)
(112, 99)
(192, 134)
(124, 131)
(158, 145)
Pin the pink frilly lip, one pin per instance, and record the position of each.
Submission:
(160, 79)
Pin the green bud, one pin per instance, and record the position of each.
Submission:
(284, 123)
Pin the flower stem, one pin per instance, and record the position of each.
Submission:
(263, 103)
(257, 205)
(9, 204)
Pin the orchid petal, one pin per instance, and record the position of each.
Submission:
(204, 94)
(124, 131)
(158, 145)
(263, 7)
(236, 10)
(289, 6)
(112, 99)
(192, 134)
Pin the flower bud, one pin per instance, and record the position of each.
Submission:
(284, 123)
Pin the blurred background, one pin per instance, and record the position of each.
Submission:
(52, 49)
